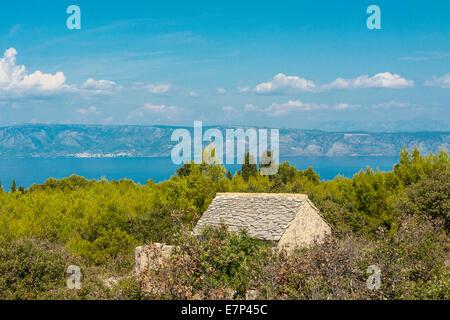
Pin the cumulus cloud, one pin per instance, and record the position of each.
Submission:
(380, 80)
(193, 94)
(160, 88)
(99, 86)
(282, 84)
(221, 91)
(285, 84)
(442, 82)
(15, 80)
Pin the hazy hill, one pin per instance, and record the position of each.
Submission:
(153, 141)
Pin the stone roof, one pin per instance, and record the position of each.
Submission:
(265, 216)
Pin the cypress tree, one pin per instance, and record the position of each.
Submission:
(229, 175)
(13, 187)
(249, 168)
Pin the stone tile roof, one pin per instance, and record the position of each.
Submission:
(266, 216)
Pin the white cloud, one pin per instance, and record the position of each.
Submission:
(228, 108)
(243, 89)
(159, 88)
(159, 108)
(380, 80)
(15, 80)
(285, 84)
(280, 109)
(98, 84)
(167, 112)
(193, 94)
(345, 106)
(295, 106)
(251, 107)
(443, 82)
(391, 104)
(221, 91)
(89, 111)
(282, 84)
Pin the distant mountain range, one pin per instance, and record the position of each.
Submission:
(155, 141)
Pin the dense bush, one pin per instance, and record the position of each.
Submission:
(430, 197)
(413, 260)
(215, 265)
(29, 270)
(222, 265)
(33, 269)
(100, 223)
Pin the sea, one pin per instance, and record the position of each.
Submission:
(29, 171)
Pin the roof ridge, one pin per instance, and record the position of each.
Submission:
(264, 194)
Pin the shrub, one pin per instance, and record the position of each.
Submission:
(33, 269)
(223, 265)
(215, 265)
(413, 260)
(430, 197)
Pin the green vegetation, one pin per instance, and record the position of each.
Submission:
(220, 265)
(398, 220)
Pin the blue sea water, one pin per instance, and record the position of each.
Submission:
(28, 171)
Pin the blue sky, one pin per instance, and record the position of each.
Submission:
(302, 64)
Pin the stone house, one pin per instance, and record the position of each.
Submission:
(288, 220)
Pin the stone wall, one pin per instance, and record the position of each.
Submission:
(151, 256)
(308, 226)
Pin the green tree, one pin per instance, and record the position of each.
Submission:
(249, 168)
(429, 198)
(13, 187)
(311, 175)
(185, 170)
